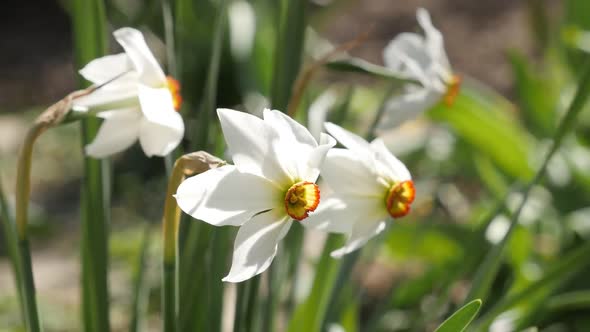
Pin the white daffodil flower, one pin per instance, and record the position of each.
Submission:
(140, 104)
(424, 60)
(276, 163)
(370, 187)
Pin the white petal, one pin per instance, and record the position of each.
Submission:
(162, 127)
(352, 141)
(224, 196)
(408, 106)
(157, 105)
(316, 158)
(408, 56)
(363, 230)
(294, 146)
(332, 215)
(393, 168)
(289, 130)
(140, 55)
(106, 68)
(256, 245)
(159, 140)
(434, 39)
(111, 96)
(252, 144)
(118, 131)
(347, 174)
(318, 112)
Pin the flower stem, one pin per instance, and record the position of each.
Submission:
(52, 116)
(28, 287)
(187, 165)
(371, 133)
(489, 268)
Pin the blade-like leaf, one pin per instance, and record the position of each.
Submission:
(459, 321)
(357, 65)
(485, 121)
(89, 27)
(310, 314)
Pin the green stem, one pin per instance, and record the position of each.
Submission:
(170, 224)
(187, 165)
(10, 238)
(489, 268)
(252, 304)
(243, 289)
(371, 133)
(28, 285)
(23, 191)
(572, 263)
(141, 287)
(246, 305)
(210, 94)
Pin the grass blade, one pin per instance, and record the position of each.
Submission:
(89, 27)
(310, 315)
(140, 286)
(459, 321)
(9, 231)
(488, 270)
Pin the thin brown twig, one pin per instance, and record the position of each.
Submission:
(305, 76)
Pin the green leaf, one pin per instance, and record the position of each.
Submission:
(538, 108)
(459, 321)
(357, 65)
(486, 122)
(89, 27)
(10, 236)
(310, 314)
(289, 51)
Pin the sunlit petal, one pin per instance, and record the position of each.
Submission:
(332, 215)
(106, 68)
(252, 143)
(351, 141)
(143, 60)
(363, 230)
(256, 245)
(408, 106)
(346, 173)
(118, 131)
(391, 166)
(224, 196)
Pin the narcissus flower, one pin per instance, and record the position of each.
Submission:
(424, 60)
(370, 187)
(272, 182)
(140, 104)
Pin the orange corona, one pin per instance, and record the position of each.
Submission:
(399, 198)
(174, 86)
(302, 198)
(453, 87)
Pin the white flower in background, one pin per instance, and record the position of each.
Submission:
(242, 28)
(370, 187)
(277, 162)
(140, 104)
(318, 111)
(423, 59)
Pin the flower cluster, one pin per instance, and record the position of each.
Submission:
(276, 161)
(273, 182)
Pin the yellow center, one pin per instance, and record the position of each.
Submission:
(302, 198)
(453, 87)
(174, 87)
(399, 198)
